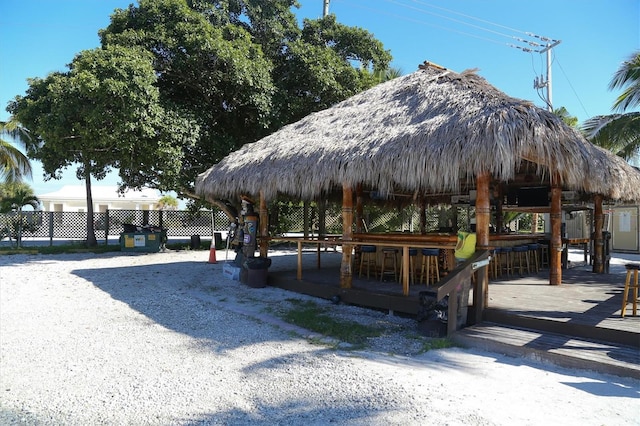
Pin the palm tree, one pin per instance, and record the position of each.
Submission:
(620, 132)
(14, 165)
(387, 74)
(13, 197)
(167, 202)
(564, 115)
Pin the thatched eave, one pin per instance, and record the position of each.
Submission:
(431, 131)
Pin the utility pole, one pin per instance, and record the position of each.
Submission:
(541, 82)
(325, 8)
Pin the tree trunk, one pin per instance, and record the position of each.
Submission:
(19, 231)
(91, 231)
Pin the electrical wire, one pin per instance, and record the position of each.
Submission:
(405, 18)
(530, 45)
(572, 88)
(419, 6)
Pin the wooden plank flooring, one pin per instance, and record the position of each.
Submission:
(572, 324)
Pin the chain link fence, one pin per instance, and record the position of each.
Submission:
(108, 225)
(285, 219)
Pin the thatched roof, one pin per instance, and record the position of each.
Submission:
(427, 132)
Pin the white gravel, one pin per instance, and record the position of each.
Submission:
(165, 339)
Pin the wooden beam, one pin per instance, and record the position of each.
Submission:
(598, 240)
(423, 215)
(555, 252)
(263, 214)
(346, 272)
(483, 220)
(359, 209)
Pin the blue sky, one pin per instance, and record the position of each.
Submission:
(41, 36)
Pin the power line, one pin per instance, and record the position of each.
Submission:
(572, 88)
(405, 18)
(528, 41)
(448, 18)
(469, 16)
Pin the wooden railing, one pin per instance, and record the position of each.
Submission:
(454, 284)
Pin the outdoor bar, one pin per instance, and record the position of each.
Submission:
(424, 138)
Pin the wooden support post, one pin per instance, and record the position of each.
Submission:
(359, 209)
(423, 216)
(346, 272)
(500, 200)
(406, 272)
(598, 240)
(306, 223)
(483, 220)
(555, 252)
(263, 215)
(299, 273)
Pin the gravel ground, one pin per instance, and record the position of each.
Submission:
(165, 339)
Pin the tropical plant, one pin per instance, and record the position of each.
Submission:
(14, 196)
(14, 165)
(620, 132)
(568, 119)
(167, 202)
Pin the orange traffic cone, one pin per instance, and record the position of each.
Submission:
(212, 252)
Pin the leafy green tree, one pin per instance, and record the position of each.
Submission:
(214, 73)
(167, 202)
(244, 68)
(14, 196)
(14, 165)
(105, 113)
(620, 132)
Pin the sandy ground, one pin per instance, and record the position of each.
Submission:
(164, 338)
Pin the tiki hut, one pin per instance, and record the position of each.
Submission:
(430, 134)
(432, 131)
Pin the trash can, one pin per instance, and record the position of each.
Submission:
(432, 314)
(195, 242)
(256, 269)
(141, 241)
(146, 238)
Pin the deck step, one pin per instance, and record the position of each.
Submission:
(561, 350)
(568, 328)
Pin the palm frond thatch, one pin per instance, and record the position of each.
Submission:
(426, 132)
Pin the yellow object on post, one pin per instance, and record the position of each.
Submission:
(465, 246)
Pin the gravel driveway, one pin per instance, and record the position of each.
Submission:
(165, 339)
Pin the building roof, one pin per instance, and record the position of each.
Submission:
(101, 194)
(429, 132)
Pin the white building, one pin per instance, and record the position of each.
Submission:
(73, 198)
(624, 225)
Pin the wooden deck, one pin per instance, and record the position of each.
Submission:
(523, 312)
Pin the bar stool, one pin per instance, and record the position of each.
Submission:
(430, 269)
(521, 258)
(412, 271)
(493, 263)
(533, 252)
(631, 268)
(505, 260)
(496, 262)
(389, 263)
(544, 255)
(368, 259)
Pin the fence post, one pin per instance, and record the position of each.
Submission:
(50, 229)
(106, 227)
